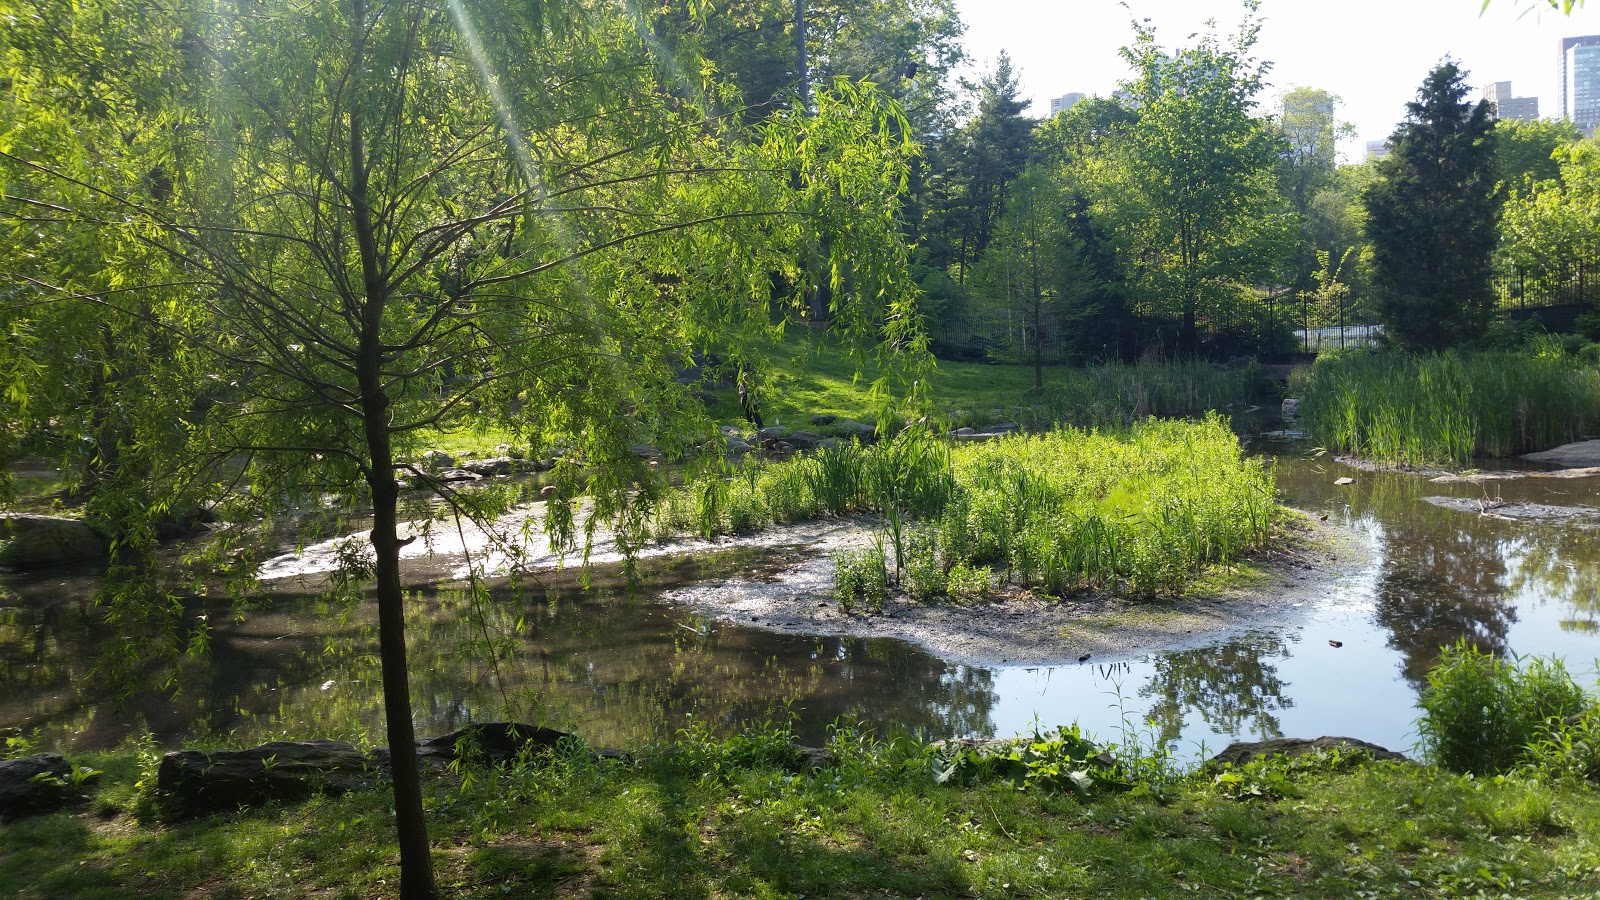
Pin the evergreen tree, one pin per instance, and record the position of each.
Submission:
(1433, 215)
(989, 154)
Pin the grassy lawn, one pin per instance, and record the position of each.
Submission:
(701, 818)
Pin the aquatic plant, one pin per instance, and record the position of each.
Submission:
(1481, 714)
(1446, 408)
(1136, 510)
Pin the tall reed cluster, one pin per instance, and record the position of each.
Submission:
(1445, 409)
(1122, 394)
(1136, 510)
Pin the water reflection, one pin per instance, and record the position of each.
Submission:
(1234, 688)
(622, 670)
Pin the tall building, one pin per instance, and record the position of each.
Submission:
(1377, 150)
(1580, 81)
(1505, 106)
(1064, 102)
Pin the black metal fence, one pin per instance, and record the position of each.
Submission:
(1563, 284)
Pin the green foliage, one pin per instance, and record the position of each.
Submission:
(1482, 714)
(1432, 217)
(861, 579)
(1524, 152)
(1448, 408)
(1121, 394)
(1137, 510)
(1552, 224)
(1065, 760)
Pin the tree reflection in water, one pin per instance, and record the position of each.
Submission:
(1234, 688)
(615, 669)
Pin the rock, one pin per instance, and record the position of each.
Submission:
(979, 436)
(199, 782)
(503, 449)
(497, 742)
(1291, 408)
(772, 433)
(455, 475)
(1520, 512)
(491, 467)
(728, 431)
(823, 419)
(34, 784)
(1577, 454)
(850, 428)
(645, 451)
(1000, 428)
(36, 542)
(548, 492)
(803, 440)
(437, 459)
(1242, 752)
(964, 432)
(1344, 481)
(830, 443)
(736, 447)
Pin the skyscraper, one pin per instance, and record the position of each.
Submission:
(1064, 102)
(1580, 81)
(1505, 106)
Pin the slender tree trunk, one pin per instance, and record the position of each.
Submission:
(800, 49)
(416, 861)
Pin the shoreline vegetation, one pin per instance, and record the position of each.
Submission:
(1445, 409)
(1135, 511)
(1053, 813)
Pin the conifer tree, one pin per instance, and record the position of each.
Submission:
(1433, 215)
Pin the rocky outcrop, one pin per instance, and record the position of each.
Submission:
(35, 784)
(1577, 454)
(1242, 752)
(37, 542)
(437, 459)
(195, 781)
(850, 428)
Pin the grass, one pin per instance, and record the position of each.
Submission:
(1139, 510)
(1448, 408)
(697, 817)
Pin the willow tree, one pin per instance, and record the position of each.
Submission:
(389, 218)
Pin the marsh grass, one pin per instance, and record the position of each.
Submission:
(1122, 394)
(1445, 409)
(1139, 510)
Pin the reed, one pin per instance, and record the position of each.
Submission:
(1121, 394)
(1136, 510)
(1446, 409)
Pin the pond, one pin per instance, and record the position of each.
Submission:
(621, 669)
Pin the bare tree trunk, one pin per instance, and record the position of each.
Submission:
(411, 828)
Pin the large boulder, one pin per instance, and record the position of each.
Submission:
(1241, 752)
(771, 434)
(850, 428)
(803, 440)
(37, 542)
(197, 781)
(496, 742)
(34, 784)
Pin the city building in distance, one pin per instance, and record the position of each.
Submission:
(1502, 105)
(1580, 81)
(1377, 150)
(1064, 102)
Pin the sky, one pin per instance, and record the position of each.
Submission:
(1372, 53)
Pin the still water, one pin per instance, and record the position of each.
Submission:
(620, 669)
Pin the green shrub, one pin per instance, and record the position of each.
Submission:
(925, 576)
(1449, 407)
(965, 582)
(1120, 394)
(1482, 714)
(861, 578)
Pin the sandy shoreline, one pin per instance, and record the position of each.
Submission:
(1274, 590)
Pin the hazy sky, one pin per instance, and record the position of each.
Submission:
(1372, 53)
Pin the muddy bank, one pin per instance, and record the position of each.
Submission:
(1517, 512)
(1021, 629)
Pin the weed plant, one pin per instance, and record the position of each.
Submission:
(1483, 715)
(1136, 510)
(1445, 409)
(861, 578)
